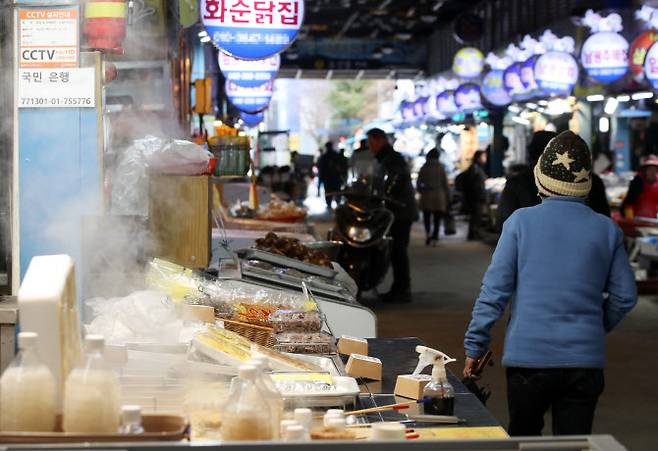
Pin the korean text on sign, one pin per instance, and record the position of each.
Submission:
(254, 13)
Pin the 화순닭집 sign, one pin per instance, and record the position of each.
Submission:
(248, 73)
(48, 38)
(252, 29)
(57, 88)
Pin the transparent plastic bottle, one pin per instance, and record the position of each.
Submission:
(439, 391)
(27, 391)
(305, 418)
(92, 393)
(131, 420)
(246, 414)
(271, 393)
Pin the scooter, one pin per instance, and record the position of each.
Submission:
(362, 223)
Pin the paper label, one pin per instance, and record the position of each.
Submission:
(57, 88)
(48, 38)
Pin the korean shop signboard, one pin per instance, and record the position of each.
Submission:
(248, 73)
(252, 29)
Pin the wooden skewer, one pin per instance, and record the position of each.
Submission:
(399, 406)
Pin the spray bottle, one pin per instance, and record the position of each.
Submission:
(438, 394)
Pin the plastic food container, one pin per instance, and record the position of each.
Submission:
(305, 343)
(296, 321)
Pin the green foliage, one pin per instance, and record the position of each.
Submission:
(349, 99)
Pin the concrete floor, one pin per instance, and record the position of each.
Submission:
(446, 281)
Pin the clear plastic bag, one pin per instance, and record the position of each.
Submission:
(152, 154)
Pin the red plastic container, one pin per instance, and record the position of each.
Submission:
(105, 24)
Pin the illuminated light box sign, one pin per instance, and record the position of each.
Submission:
(249, 100)
(605, 56)
(638, 52)
(408, 111)
(420, 107)
(468, 97)
(252, 29)
(651, 66)
(468, 63)
(513, 82)
(556, 73)
(493, 89)
(252, 120)
(528, 74)
(248, 73)
(445, 103)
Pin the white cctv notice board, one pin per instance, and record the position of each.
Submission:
(57, 88)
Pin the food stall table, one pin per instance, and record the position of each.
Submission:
(398, 356)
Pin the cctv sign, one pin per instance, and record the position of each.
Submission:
(48, 38)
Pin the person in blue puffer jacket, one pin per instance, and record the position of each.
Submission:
(568, 273)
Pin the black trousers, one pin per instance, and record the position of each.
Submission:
(401, 234)
(571, 393)
(427, 218)
(475, 221)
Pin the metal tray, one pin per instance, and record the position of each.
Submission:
(291, 283)
(157, 428)
(279, 260)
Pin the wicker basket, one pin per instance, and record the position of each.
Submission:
(258, 334)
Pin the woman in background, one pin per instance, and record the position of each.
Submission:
(434, 192)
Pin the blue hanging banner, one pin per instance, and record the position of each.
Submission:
(249, 100)
(252, 29)
(248, 73)
(445, 103)
(252, 120)
(556, 73)
(493, 89)
(468, 98)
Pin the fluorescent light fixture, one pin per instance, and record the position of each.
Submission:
(642, 95)
(543, 102)
(520, 120)
(611, 106)
(596, 98)
(624, 98)
(514, 109)
(604, 125)
(532, 106)
(205, 39)
(203, 33)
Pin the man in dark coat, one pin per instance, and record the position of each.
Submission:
(471, 184)
(330, 172)
(520, 189)
(394, 179)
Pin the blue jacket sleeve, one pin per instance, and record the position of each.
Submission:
(621, 287)
(498, 286)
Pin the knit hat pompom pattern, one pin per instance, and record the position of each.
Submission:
(565, 167)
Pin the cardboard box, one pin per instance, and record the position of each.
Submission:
(410, 386)
(199, 313)
(364, 366)
(352, 345)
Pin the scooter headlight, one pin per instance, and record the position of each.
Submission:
(359, 234)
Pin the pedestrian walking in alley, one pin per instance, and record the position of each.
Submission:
(432, 185)
(394, 181)
(471, 185)
(331, 168)
(568, 272)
